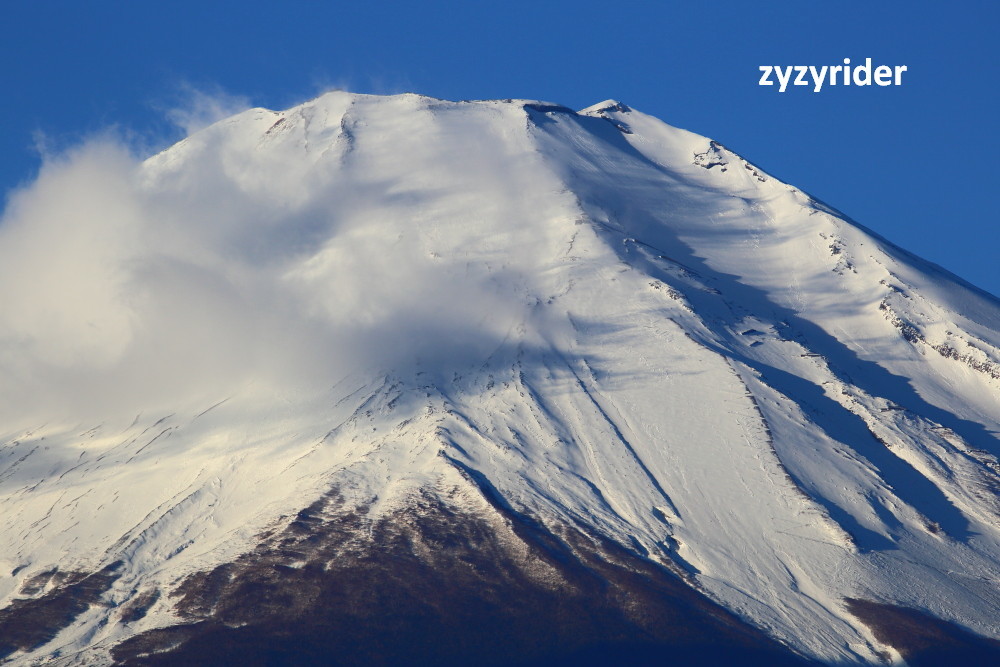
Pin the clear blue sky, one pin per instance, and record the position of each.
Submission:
(915, 163)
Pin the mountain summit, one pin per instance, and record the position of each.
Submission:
(396, 380)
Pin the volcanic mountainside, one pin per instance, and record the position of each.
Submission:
(407, 381)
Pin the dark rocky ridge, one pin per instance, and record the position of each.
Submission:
(29, 623)
(923, 640)
(437, 585)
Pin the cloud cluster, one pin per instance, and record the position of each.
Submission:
(130, 285)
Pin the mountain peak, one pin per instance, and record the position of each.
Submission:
(301, 339)
(607, 106)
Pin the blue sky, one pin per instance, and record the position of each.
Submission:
(912, 163)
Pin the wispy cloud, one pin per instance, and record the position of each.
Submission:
(196, 107)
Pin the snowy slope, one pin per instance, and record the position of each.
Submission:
(622, 326)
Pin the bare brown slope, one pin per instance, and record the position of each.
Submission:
(437, 585)
(923, 640)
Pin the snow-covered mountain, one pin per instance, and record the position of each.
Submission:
(396, 379)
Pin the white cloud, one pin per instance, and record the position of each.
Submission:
(127, 289)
